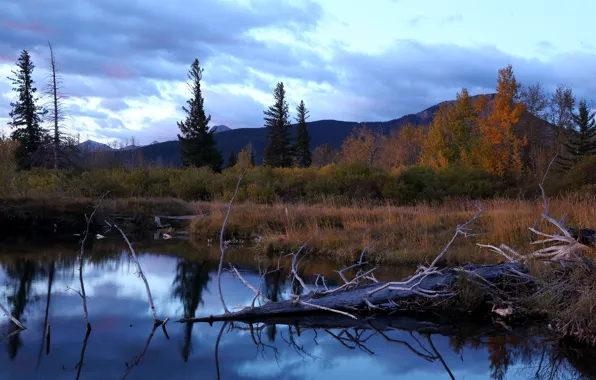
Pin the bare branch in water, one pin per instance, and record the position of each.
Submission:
(156, 320)
(13, 319)
(223, 326)
(81, 256)
(137, 359)
(222, 245)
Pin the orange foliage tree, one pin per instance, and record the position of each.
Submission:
(501, 148)
(402, 148)
(363, 145)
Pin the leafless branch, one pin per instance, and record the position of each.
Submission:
(156, 320)
(222, 246)
(137, 359)
(13, 319)
(81, 258)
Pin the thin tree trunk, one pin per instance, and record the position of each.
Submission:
(55, 107)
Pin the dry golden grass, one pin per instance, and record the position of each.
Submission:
(410, 234)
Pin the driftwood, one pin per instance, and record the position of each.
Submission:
(365, 297)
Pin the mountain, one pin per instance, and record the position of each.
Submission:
(131, 147)
(93, 146)
(221, 128)
(332, 132)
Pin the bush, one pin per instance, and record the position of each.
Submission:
(193, 184)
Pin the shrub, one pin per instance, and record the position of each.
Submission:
(193, 184)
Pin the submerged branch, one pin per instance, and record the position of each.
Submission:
(13, 319)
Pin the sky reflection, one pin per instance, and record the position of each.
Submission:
(122, 322)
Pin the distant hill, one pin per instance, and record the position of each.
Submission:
(94, 146)
(332, 132)
(221, 128)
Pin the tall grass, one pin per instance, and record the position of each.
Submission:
(406, 234)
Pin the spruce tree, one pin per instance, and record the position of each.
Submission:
(197, 142)
(232, 159)
(581, 141)
(301, 148)
(278, 152)
(26, 115)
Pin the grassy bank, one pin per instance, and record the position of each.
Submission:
(406, 234)
(65, 214)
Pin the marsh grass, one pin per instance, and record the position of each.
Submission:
(406, 234)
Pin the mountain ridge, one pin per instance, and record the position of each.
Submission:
(326, 131)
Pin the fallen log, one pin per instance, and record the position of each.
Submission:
(384, 296)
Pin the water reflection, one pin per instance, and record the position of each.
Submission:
(34, 285)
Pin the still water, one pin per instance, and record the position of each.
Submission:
(39, 284)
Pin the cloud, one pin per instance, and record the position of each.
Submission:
(125, 67)
(152, 39)
(410, 76)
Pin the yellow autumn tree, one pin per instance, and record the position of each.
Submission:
(452, 135)
(363, 145)
(436, 151)
(501, 148)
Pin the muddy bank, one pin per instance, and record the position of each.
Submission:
(67, 215)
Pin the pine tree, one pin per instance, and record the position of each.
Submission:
(197, 143)
(278, 152)
(582, 141)
(25, 114)
(232, 159)
(252, 158)
(301, 148)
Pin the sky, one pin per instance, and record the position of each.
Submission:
(124, 63)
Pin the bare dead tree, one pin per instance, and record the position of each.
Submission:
(62, 149)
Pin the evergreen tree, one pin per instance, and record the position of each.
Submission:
(581, 141)
(302, 146)
(197, 143)
(252, 158)
(25, 114)
(278, 152)
(232, 159)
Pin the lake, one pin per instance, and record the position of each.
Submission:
(39, 284)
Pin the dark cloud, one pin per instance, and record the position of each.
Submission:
(129, 39)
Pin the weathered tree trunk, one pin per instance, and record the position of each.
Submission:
(380, 295)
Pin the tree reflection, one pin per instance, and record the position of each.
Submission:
(190, 282)
(22, 273)
(273, 282)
